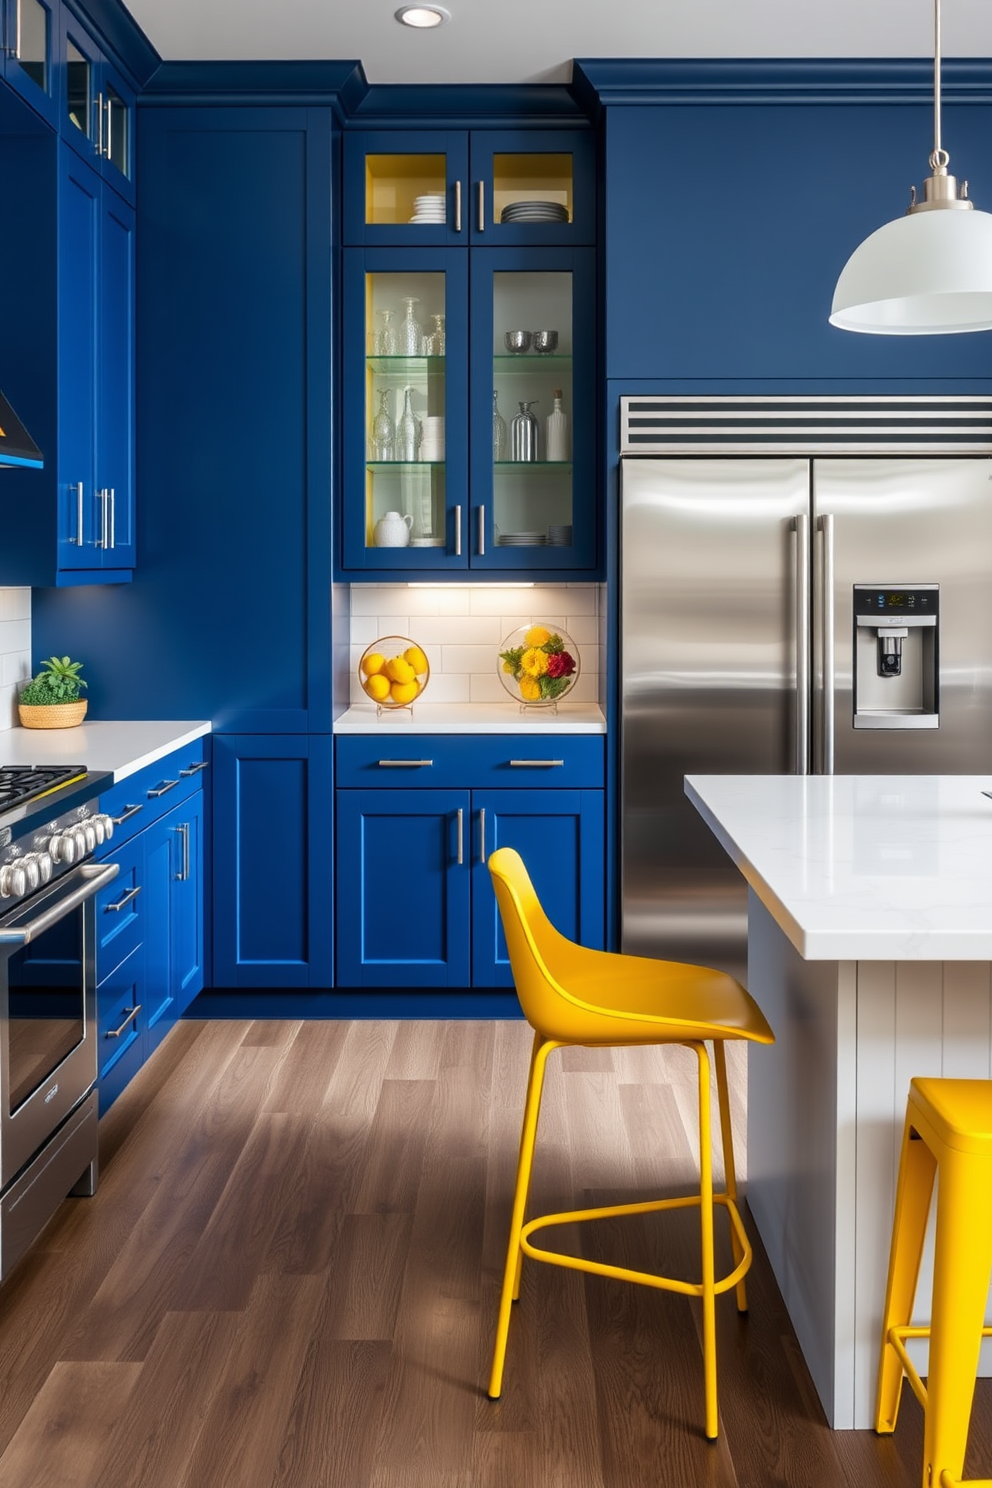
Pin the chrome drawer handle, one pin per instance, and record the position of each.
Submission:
(461, 836)
(124, 900)
(534, 764)
(403, 764)
(166, 785)
(183, 830)
(116, 1032)
(195, 769)
(482, 834)
(128, 811)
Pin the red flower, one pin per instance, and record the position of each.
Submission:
(560, 664)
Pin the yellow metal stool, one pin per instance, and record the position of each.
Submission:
(948, 1130)
(572, 995)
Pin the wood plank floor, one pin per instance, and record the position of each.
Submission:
(290, 1276)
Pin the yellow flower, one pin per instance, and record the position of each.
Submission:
(537, 635)
(534, 662)
(509, 667)
(530, 690)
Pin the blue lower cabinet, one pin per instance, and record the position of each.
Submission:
(121, 1025)
(403, 888)
(560, 835)
(272, 861)
(173, 916)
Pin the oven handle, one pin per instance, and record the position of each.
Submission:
(93, 876)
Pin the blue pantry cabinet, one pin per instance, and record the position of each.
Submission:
(416, 821)
(98, 105)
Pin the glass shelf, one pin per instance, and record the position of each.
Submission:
(528, 359)
(404, 366)
(511, 465)
(404, 464)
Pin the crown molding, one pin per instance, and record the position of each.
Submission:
(121, 32)
(300, 84)
(466, 106)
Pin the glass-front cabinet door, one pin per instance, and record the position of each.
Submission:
(405, 410)
(532, 187)
(99, 109)
(406, 187)
(27, 53)
(533, 449)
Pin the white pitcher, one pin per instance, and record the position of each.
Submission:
(392, 531)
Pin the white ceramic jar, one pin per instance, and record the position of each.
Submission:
(392, 530)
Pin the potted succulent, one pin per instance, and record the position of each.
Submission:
(52, 700)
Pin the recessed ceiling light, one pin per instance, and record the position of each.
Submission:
(424, 17)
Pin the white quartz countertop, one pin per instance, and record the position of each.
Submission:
(122, 747)
(862, 867)
(473, 718)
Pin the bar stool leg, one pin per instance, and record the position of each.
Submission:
(706, 1238)
(961, 1271)
(535, 1046)
(914, 1190)
(730, 1173)
(528, 1136)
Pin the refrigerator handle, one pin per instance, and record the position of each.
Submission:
(802, 644)
(826, 526)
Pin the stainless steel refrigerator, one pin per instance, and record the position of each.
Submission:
(785, 613)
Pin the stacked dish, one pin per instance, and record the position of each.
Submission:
(534, 211)
(430, 208)
(522, 539)
(559, 536)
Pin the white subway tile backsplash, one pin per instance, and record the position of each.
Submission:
(15, 650)
(482, 630)
(15, 604)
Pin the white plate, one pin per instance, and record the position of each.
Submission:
(427, 542)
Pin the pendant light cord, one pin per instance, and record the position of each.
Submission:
(940, 157)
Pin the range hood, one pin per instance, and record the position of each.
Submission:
(16, 445)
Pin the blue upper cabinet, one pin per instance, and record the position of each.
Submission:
(433, 188)
(97, 107)
(28, 56)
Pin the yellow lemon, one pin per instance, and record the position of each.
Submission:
(416, 658)
(373, 663)
(377, 688)
(404, 692)
(398, 670)
(537, 635)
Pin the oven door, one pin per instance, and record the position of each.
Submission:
(48, 1043)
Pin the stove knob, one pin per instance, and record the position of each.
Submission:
(63, 848)
(32, 873)
(97, 822)
(79, 837)
(88, 830)
(107, 823)
(6, 889)
(44, 866)
(13, 882)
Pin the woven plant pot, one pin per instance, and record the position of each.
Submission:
(52, 715)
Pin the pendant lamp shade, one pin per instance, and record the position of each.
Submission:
(924, 274)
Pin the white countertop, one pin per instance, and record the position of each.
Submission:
(862, 867)
(122, 747)
(473, 718)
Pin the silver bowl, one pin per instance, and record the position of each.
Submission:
(545, 341)
(517, 341)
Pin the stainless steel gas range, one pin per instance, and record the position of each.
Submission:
(50, 825)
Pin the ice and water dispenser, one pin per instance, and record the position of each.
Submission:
(896, 632)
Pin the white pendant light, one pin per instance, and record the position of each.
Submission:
(929, 272)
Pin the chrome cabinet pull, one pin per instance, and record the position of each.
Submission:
(482, 531)
(534, 764)
(410, 764)
(111, 497)
(480, 206)
(128, 811)
(107, 143)
(78, 539)
(195, 769)
(101, 496)
(160, 790)
(183, 830)
(802, 644)
(458, 206)
(116, 1032)
(458, 531)
(99, 124)
(461, 837)
(122, 903)
(482, 834)
(826, 525)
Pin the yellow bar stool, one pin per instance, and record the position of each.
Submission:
(571, 995)
(948, 1130)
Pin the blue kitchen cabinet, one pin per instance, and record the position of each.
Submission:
(97, 105)
(29, 32)
(174, 916)
(434, 188)
(272, 858)
(468, 504)
(414, 902)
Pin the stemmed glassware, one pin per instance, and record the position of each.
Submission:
(385, 341)
(410, 334)
(383, 430)
(438, 337)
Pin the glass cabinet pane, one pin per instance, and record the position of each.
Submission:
(118, 142)
(79, 70)
(532, 188)
(532, 409)
(32, 41)
(401, 189)
(404, 410)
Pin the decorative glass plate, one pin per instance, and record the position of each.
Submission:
(538, 664)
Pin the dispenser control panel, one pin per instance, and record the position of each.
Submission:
(888, 601)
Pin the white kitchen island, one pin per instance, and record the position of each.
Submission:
(870, 953)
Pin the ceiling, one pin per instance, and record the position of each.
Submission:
(529, 41)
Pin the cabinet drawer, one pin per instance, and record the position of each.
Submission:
(146, 795)
(120, 910)
(468, 761)
(118, 997)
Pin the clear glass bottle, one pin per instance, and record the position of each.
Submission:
(407, 430)
(499, 431)
(383, 430)
(438, 337)
(557, 442)
(410, 334)
(385, 340)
